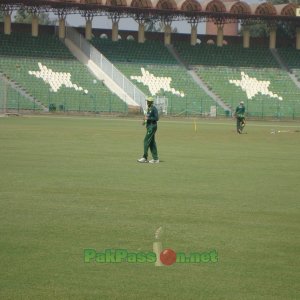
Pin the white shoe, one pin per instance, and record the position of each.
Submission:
(142, 160)
(154, 161)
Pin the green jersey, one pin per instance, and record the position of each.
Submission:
(240, 111)
(152, 116)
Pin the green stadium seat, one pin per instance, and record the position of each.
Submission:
(20, 56)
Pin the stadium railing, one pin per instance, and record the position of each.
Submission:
(108, 68)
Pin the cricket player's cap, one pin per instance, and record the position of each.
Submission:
(150, 99)
(242, 102)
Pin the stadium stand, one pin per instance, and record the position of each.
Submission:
(230, 55)
(253, 75)
(152, 62)
(291, 57)
(46, 69)
(14, 99)
(131, 51)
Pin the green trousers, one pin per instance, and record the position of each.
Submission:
(240, 124)
(149, 142)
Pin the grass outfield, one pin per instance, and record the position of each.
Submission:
(73, 183)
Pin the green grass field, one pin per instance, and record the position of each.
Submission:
(68, 184)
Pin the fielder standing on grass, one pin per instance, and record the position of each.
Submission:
(150, 120)
(240, 117)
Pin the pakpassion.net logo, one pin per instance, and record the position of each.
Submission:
(166, 257)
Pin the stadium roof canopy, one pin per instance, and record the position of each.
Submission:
(172, 9)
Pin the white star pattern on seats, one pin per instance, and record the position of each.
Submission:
(155, 84)
(55, 79)
(252, 86)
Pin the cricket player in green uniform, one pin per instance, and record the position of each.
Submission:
(150, 120)
(240, 117)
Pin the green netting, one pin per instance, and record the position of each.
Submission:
(13, 100)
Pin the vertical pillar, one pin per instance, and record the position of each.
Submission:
(167, 35)
(246, 37)
(272, 41)
(141, 33)
(194, 21)
(115, 31)
(88, 28)
(194, 35)
(220, 35)
(7, 23)
(62, 28)
(298, 38)
(115, 18)
(35, 25)
(61, 23)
